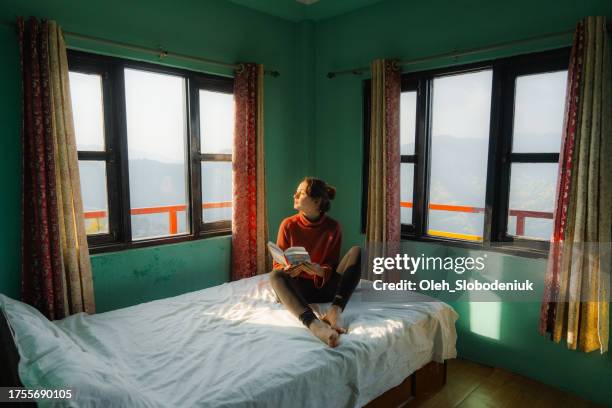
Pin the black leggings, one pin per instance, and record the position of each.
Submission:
(297, 293)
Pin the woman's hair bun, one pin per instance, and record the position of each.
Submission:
(331, 191)
(317, 188)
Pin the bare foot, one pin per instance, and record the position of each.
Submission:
(333, 316)
(325, 333)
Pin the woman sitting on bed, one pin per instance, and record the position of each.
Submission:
(325, 279)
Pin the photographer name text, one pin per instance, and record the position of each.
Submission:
(455, 286)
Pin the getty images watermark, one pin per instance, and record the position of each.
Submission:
(498, 274)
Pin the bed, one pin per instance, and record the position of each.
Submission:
(232, 345)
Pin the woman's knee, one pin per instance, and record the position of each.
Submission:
(351, 258)
(354, 254)
(353, 266)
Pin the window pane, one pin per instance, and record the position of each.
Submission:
(87, 110)
(532, 193)
(406, 195)
(216, 191)
(407, 122)
(216, 122)
(460, 140)
(156, 124)
(95, 196)
(538, 112)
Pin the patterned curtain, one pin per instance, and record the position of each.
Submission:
(56, 271)
(577, 291)
(250, 221)
(383, 212)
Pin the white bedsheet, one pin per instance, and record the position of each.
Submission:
(231, 345)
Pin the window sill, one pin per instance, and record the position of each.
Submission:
(122, 246)
(522, 248)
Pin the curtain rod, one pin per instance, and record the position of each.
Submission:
(160, 52)
(455, 54)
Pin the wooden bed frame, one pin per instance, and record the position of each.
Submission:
(417, 387)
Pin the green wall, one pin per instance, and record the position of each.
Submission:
(313, 126)
(10, 166)
(211, 29)
(402, 29)
(140, 275)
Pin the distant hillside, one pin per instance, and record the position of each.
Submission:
(154, 183)
(458, 176)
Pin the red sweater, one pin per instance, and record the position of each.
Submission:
(322, 239)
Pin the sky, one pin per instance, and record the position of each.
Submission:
(156, 116)
(86, 93)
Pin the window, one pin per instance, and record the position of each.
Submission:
(407, 146)
(536, 141)
(459, 139)
(154, 147)
(157, 153)
(217, 125)
(479, 149)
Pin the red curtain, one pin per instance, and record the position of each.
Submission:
(249, 223)
(41, 280)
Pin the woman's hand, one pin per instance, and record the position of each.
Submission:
(292, 270)
(306, 267)
(313, 269)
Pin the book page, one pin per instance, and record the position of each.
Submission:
(277, 253)
(297, 255)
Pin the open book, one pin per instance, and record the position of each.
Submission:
(291, 256)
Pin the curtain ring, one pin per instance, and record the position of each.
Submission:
(163, 53)
(395, 65)
(240, 68)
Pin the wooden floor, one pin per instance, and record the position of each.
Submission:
(471, 385)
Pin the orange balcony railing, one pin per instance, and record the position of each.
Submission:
(173, 210)
(520, 215)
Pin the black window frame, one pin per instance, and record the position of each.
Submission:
(215, 84)
(116, 155)
(500, 157)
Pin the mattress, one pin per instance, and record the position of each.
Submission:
(232, 345)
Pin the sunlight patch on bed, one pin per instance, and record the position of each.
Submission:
(374, 332)
(260, 316)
